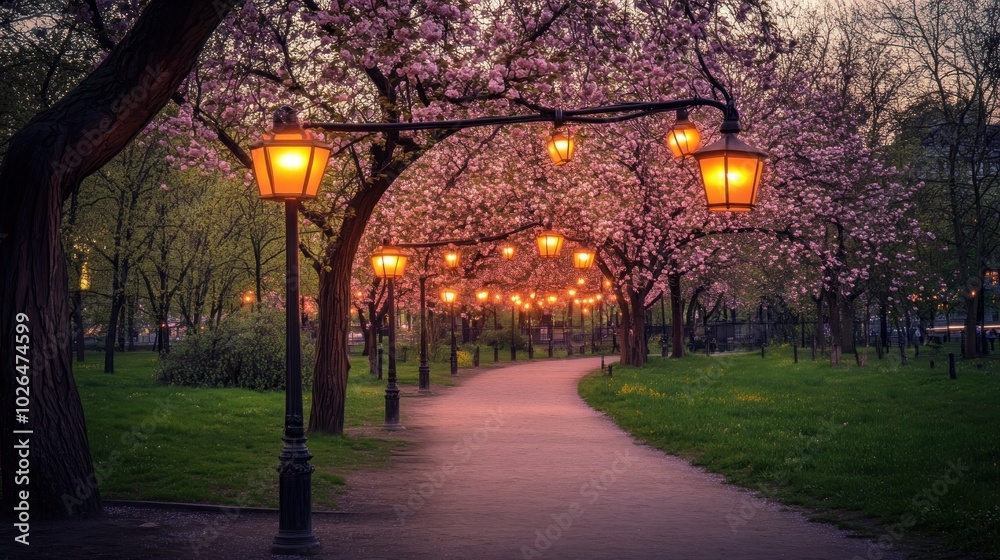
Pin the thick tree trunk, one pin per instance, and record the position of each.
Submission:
(45, 161)
(676, 316)
(847, 339)
(836, 333)
(633, 350)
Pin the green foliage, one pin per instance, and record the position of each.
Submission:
(246, 350)
(501, 336)
(873, 440)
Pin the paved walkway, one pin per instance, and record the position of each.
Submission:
(513, 464)
(510, 464)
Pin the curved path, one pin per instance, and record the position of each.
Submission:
(513, 464)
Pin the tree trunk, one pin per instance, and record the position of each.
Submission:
(836, 333)
(676, 316)
(847, 339)
(633, 350)
(44, 163)
(971, 322)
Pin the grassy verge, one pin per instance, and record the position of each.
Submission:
(156, 442)
(902, 445)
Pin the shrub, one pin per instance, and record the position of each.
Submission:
(246, 350)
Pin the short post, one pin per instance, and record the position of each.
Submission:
(496, 351)
(951, 366)
(902, 352)
(795, 353)
(475, 357)
(610, 374)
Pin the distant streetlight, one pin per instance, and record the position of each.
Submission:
(390, 263)
(450, 296)
(508, 252)
(288, 165)
(451, 259)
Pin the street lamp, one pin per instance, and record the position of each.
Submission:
(288, 165)
(561, 146)
(449, 296)
(451, 259)
(683, 138)
(549, 244)
(515, 300)
(569, 321)
(390, 263)
(508, 252)
(731, 172)
(583, 259)
(531, 349)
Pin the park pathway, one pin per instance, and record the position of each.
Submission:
(513, 464)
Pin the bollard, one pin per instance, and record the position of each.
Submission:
(932, 364)
(761, 350)
(951, 366)
(795, 353)
(496, 352)
(475, 357)
(609, 370)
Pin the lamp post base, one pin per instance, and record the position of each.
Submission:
(392, 409)
(292, 543)
(424, 379)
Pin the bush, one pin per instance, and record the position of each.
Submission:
(501, 336)
(246, 350)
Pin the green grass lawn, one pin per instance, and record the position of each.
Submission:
(156, 442)
(903, 445)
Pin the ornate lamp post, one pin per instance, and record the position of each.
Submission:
(450, 296)
(569, 321)
(424, 369)
(390, 263)
(483, 296)
(496, 329)
(288, 165)
(515, 300)
(531, 349)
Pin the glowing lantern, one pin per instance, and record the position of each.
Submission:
(389, 262)
(288, 161)
(549, 244)
(561, 146)
(583, 259)
(449, 295)
(683, 138)
(508, 252)
(451, 259)
(482, 296)
(730, 170)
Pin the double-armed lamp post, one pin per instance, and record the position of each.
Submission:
(289, 162)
